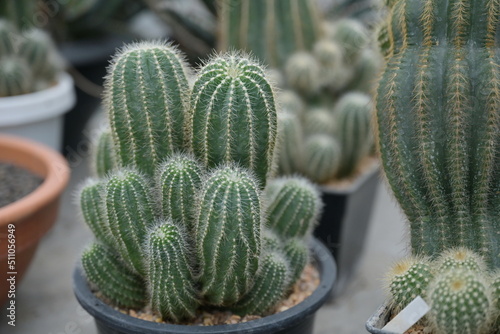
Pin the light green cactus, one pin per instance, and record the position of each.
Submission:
(112, 278)
(15, 77)
(241, 126)
(145, 97)
(460, 258)
(270, 29)
(170, 279)
(323, 155)
(303, 73)
(352, 35)
(353, 113)
(191, 227)
(319, 120)
(290, 143)
(228, 235)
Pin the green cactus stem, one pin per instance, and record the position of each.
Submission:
(294, 206)
(296, 253)
(93, 210)
(233, 116)
(104, 159)
(179, 180)
(323, 155)
(15, 77)
(112, 278)
(146, 101)
(130, 214)
(290, 143)
(228, 235)
(460, 258)
(319, 120)
(171, 285)
(303, 73)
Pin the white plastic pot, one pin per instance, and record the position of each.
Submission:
(39, 116)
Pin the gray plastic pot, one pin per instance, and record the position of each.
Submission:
(296, 320)
(378, 320)
(344, 223)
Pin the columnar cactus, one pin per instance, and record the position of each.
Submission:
(233, 116)
(184, 216)
(28, 60)
(290, 143)
(270, 29)
(228, 235)
(438, 114)
(147, 123)
(323, 154)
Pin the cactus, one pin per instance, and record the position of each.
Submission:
(323, 155)
(228, 228)
(290, 143)
(233, 116)
(290, 102)
(293, 206)
(15, 77)
(408, 279)
(171, 284)
(297, 254)
(353, 117)
(270, 286)
(189, 228)
(114, 281)
(179, 179)
(319, 120)
(460, 258)
(147, 124)
(460, 301)
(437, 116)
(352, 35)
(270, 29)
(104, 160)
(303, 73)
(130, 214)
(28, 61)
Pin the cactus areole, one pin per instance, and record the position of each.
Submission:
(438, 117)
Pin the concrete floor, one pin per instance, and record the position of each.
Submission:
(46, 305)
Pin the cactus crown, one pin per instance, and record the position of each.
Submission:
(28, 60)
(179, 202)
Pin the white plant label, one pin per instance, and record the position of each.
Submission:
(408, 316)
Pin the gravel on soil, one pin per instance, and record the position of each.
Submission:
(16, 183)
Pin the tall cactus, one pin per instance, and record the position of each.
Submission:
(270, 29)
(147, 123)
(228, 229)
(233, 116)
(438, 115)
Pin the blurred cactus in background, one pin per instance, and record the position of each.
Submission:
(184, 199)
(28, 60)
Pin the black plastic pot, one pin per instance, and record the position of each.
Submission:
(378, 320)
(89, 59)
(296, 320)
(344, 223)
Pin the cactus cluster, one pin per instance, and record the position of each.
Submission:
(183, 207)
(28, 60)
(460, 291)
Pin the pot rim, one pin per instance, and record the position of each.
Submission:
(40, 160)
(374, 168)
(372, 325)
(99, 310)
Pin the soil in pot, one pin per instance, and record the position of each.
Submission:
(304, 287)
(16, 183)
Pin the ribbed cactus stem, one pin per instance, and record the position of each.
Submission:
(37, 49)
(408, 279)
(130, 214)
(104, 159)
(271, 241)
(460, 258)
(93, 210)
(289, 101)
(290, 143)
(179, 180)
(15, 77)
(270, 286)
(270, 29)
(323, 155)
(233, 116)
(460, 302)
(438, 118)
(146, 101)
(319, 120)
(296, 253)
(294, 206)
(353, 113)
(228, 235)
(303, 73)
(352, 35)
(112, 278)
(171, 285)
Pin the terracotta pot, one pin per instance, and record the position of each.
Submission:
(33, 215)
